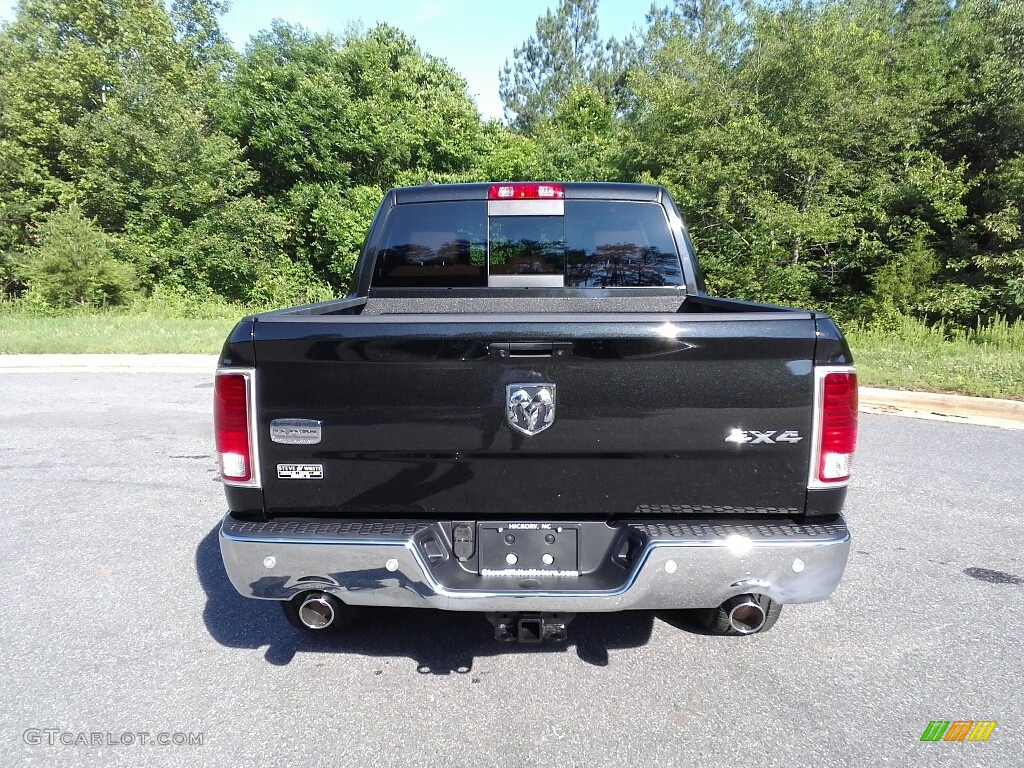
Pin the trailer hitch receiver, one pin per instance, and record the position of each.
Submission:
(530, 627)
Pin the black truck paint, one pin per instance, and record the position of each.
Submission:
(409, 387)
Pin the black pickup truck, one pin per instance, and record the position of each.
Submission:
(529, 407)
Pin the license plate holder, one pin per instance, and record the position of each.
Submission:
(535, 549)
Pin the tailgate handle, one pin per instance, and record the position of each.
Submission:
(507, 349)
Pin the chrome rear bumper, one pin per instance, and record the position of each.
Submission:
(678, 564)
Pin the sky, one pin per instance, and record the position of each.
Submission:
(474, 36)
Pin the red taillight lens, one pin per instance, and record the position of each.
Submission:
(838, 427)
(531, 191)
(231, 426)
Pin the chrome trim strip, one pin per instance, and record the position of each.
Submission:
(697, 573)
(813, 483)
(522, 573)
(525, 207)
(525, 281)
(256, 480)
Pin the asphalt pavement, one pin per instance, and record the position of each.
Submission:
(119, 626)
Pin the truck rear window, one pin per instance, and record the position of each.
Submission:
(591, 244)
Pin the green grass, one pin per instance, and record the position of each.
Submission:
(987, 362)
(906, 354)
(22, 333)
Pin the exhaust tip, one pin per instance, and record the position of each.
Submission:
(318, 611)
(746, 616)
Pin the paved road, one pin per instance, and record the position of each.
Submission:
(117, 618)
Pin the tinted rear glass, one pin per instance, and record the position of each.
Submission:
(430, 245)
(595, 244)
(619, 245)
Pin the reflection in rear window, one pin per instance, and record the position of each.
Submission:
(619, 245)
(596, 244)
(527, 245)
(434, 245)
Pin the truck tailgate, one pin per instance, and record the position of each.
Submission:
(413, 413)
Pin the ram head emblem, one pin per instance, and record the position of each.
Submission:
(530, 407)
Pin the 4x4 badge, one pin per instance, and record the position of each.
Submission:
(530, 408)
(769, 437)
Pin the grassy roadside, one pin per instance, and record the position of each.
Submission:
(909, 355)
(988, 362)
(958, 368)
(110, 333)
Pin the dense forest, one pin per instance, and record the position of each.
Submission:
(865, 156)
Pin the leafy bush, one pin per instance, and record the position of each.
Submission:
(173, 301)
(337, 225)
(902, 282)
(238, 253)
(71, 264)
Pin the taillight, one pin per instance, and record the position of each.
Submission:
(528, 191)
(232, 395)
(835, 427)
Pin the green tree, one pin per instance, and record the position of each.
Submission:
(62, 61)
(794, 136)
(979, 126)
(150, 155)
(565, 53)
(329, 123)
(860, 154)
(240, 251)
(108, 106)
(363, 110)
(197, 31)
(579, 142)
(506, 155)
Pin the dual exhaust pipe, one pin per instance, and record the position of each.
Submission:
(745, 614)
